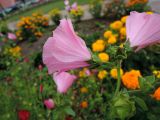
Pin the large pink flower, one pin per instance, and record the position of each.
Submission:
(143, 29)
(65, 50)
(63, 81)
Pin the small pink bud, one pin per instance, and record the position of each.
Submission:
(49, 103)
(12, 36)
(88, 73)
(40, 67)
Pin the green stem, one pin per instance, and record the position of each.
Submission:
(49, 114)
(132, 91)
(118, 77)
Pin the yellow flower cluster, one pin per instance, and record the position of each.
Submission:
(84, 90)
(19, 34)
(123, 19)
(104, 57)
(130, 79)
(102, 74)
(98, 46)
(54, 12)
(108, 34)
(149, 12)
(113, 73)
(15, 51)
(31, 26)
(117, 30)
(40, 20)
(157, 73)
(38, 34)
(112, 38)
(77, 12)
(117, 25)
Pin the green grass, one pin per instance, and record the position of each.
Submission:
(45, 8)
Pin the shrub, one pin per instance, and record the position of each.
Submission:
(76, 14)
(115, 9)
(137, 5)
(118, 8)
(96, 8)
(3, 27)
(32, 27)
(55, 15)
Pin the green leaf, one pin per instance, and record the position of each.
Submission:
(141, 82)
(70, 111)
(146, 83)
(150, 79)
(151, 116)
(141, 103)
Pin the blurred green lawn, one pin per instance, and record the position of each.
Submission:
(45, 8)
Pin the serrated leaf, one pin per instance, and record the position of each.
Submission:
(150, 79)
(141, 103)
(70, 111)
(141, 82)
(146, 83)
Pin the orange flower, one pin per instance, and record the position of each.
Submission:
(38, 34)
(84, 104)
(84, 90)
(156, 94)
(130, 79)
(133, 2)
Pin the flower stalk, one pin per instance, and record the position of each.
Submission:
(118, 77)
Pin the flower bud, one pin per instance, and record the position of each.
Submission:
(121, 107)
(49, 103)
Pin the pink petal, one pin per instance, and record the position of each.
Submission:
(65, 50)
(68, 8)
(63, 81)
(143, 29)
(74, 6)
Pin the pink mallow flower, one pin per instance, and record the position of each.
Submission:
(65, 50)
(49, 103)
(143, 29)
(68, 8)
(12, 36)
(63, 81)
(74, 6)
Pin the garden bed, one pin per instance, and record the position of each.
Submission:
(94, 69)
(86, 28)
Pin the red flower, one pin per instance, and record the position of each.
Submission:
(26, 60)
(68, 118)
(23, 115)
